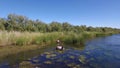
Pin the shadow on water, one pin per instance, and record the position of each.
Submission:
(97, 53)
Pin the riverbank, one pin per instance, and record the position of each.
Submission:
(37, 38)
(13, 43)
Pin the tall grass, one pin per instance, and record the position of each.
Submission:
(26, 38)
(12, 43)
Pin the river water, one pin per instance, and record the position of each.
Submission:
(103, 52)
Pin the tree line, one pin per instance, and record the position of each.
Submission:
(21, 23)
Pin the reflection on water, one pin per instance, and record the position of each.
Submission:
(98, 53)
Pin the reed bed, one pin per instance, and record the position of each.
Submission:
(31, 38)
(12, 43)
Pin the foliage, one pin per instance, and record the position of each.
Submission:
(37, 38)
(21, 23)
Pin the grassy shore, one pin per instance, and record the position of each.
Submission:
(27, 38)
(16, 42)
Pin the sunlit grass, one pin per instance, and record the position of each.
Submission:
(27, 38)
(15, 42)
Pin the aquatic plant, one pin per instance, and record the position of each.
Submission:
(72, 57)
(48, 62)
(82, 59)
(36, 60)
(25, 64)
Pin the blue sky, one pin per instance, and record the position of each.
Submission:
(77, 12)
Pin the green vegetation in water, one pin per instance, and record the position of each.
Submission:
(21, 55)
(72, 57)
(73, 65)
(25, 64)
(36, 60)
(82, 59)
(48, 62)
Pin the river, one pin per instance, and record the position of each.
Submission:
(103, 52)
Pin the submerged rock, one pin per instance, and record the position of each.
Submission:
(72, 57)
(73, 65)
(87, 52)
(91, 59)
(48, 62)
(29, 59)
(82, 59)
(47, 53)
(36, 60)
(53, 55)
(59, 60)
(48, 56)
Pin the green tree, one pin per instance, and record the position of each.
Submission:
(56, 26)
(67, 27)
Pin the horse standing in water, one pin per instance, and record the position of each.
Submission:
(59, 46)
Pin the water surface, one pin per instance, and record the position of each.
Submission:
(101, 52)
